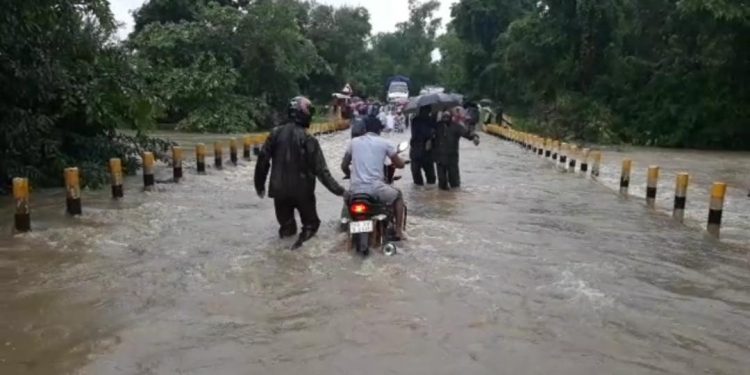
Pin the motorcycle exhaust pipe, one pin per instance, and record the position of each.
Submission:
(390, 249)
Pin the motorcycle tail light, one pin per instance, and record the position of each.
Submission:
(359, 208)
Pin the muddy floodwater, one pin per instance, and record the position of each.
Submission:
(526, 270)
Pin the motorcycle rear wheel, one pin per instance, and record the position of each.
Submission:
(362, 243)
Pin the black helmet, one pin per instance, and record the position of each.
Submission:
(301, 111)
(373, 125)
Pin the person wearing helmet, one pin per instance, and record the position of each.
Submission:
(358, 124)
(449, 132)
(295, 160)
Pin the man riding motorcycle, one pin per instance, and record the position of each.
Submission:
(358, 123)
(366, 154)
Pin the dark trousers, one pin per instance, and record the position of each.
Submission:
(448, 175)
(285, 214)
(425, 164)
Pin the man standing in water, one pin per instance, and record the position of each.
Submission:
(295, 160)
(422, 132)
(450, 129)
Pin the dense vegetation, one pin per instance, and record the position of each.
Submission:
(65, 89)
(224, 65)
(655, 72)
(228, 66)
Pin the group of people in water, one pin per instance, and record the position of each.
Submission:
(295, 160)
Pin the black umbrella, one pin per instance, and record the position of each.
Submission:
(437, 101)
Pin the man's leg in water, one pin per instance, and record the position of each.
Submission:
(398, 209)
(442, 174)
(285, 216)
(454, 174)
(429, 170)
(416, 171)
(390, 195)
(308, 214)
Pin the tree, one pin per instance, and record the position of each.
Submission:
(655, 72)
(408, 50)
(339, 36)
(226, 68)
(66, 88)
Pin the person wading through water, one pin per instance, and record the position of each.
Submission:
(449, 132)
(422, 132)
(295, 160)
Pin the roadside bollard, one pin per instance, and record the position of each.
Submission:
(218, 155)
(585, 160)
(247, 145)
(652, 183)
(555, 149)
(547, 148)
(625, 176)
(176, 163)
(716, 207)
(148, 171)
(115, 171)
(200, 157)
(22, 219)
(233, 151)
(564, 153)
(73, 192)
(680, 196)
(573, 157)
(597, 164)
(540, 146)
(257, 144)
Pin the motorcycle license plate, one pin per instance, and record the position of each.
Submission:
(360, 227)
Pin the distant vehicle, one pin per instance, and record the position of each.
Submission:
(431, 90)
(398, 89)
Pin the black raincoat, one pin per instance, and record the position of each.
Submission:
(295, 160)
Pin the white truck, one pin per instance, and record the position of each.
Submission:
(398, 91)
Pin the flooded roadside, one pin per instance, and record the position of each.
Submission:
(523, 271)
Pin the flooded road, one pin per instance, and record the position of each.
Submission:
(527, 270)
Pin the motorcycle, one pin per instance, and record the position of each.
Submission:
(370, 223)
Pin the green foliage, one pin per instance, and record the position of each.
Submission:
(408, 50)
(224, 68)
(653, 72)
(65, 87)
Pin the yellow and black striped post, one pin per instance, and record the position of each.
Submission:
(627, 164)
(257, 144)
(200, 157)
(233, 151)
(716, 207)
(115, 172)
(555, 149)
(247, 145)
(176, 163)
(573, 157)
(72, 192)
(564, 153)
(547, 148)
(22, 219)
(218, 155)
(652, 183)
(680, 196)
(585, 160)
(148, 170)
(540, 146)
(596, 167)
